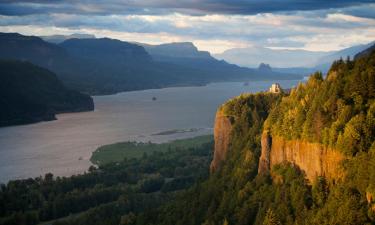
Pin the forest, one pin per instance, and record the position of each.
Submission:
(111, 193)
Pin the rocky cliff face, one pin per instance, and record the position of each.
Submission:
(264, 161)
(222, 133)
(312, 158)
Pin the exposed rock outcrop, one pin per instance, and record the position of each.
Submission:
(222, 133)
(264, 161)
(313, 158)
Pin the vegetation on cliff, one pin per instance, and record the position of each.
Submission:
(31, 94)
(338, 111)
(232, 195)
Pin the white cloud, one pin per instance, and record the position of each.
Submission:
(216, 33)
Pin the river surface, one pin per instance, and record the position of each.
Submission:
(64, 146)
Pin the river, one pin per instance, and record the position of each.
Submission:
(64, 146)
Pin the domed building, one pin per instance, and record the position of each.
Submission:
(275, 88)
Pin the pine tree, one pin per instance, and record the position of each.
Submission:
(271, 218)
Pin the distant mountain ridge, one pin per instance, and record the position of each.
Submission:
(325, 62)
(187, 55)
(105, 49)
(30, 48)
(107, 66)
(288, 60)
(57, 39)
(176, 49)
(365, 52)
(253, 56)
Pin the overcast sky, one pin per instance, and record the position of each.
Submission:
(213, 25)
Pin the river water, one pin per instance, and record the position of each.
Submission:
(64, 146)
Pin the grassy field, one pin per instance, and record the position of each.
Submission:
(119, 151)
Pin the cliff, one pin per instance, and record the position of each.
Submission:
(222, 135)
(313, 159)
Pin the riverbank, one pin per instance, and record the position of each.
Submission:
(117, 152)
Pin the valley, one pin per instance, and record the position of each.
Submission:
(64, 146)
(204, 112)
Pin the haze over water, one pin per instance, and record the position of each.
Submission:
(64, 146)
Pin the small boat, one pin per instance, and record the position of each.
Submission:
(153, 98)
(246, 84)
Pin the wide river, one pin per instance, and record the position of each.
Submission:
(64, 146)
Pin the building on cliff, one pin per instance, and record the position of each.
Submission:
(275, 88)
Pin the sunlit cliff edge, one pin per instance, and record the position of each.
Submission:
(313, 159)
(222, 132)
(317, 127)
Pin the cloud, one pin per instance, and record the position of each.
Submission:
(214, 25)
(189, 7)
(215, 33)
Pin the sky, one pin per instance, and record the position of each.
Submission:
(212, 25)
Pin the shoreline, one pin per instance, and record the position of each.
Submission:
(152, 144)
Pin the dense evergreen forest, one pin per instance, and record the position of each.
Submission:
(338, 111)
(29, 93)
(110, 194)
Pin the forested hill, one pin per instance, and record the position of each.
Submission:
(333, 117)
(30, 94)
(106, 66)
(337, 111)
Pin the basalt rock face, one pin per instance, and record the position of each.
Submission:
(222, 134)
(264, 161)
(313, 158)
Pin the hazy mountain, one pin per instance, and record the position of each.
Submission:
(264, 67)
(253, 56)
(178, 49)
(105, 50)
(106, 66)
(31, 94)
(187, 55)
(325, 62)
(297, 60)
(57, 39)
(365, 52)
(30, 48)
(296, 70)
